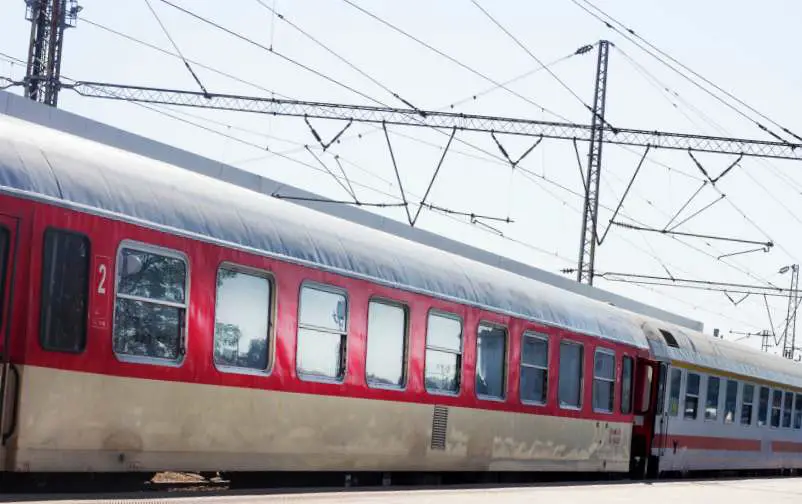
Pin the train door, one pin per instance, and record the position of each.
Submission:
(9, 374)
(647, 389)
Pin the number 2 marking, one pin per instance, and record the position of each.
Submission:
(101, 288)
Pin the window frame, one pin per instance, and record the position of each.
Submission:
(531, 333)
(405, 355)
(505, 362)
(751, 403)
(720, 380)
(685, 396)
(726, 387)
(271, 322)
(767, 420)
(631, 410)
(787, 393)
(460, 356)
(680, 392)
(582, 374)
(89, 273)
(797, 409)
(183, 340)
(333, 289)
(606, 351)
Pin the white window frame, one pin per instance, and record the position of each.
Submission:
(581, 375)
(751, 402)
(270, 344)
(680, 393)
(735, 411)
(611, 353)
(718, 396)
(460, 355)
(344, 334)
(183, 340)
(505, 363)
(797, 405)
(405, 355)
(771, 408)
(782, 411)
(542, 337)
(697, 395)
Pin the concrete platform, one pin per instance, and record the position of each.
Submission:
(744, 491)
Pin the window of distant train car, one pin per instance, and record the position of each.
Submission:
(798, 412)
(691, 396)
(763, 406)
(534, 368)
(491, 357)
(151, 303)
(443, 353)
(730, 401)
(242, 319)
(711, 401)
(603, 380)
(65, 291)
(322, 332)
(776, 407)
(788, 404)
(3, 258)
(627, 368)
(387, 344)
(570, 379)
(673, 391)
(747, 400)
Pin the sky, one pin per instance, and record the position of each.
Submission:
(747, 51)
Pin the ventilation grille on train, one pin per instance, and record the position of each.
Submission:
(439, 427)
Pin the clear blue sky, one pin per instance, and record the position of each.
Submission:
(749, 51)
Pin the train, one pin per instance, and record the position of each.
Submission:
(155, 318)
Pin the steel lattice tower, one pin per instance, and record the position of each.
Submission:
(49, 19)
(587, 245)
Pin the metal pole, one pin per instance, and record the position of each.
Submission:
(587, 245)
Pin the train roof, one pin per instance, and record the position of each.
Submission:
(49, 165)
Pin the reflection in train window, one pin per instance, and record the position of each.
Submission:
(534, 368)
(788, 404)
(65, 291)
(627, 365)
(763, 407)
(730, 401)
(798, 412)
(491, 355)
(387, 343)
(151, 303)
(711, 401)
(603, 381)
(776, 407)
(322, 332)
(746, 404)
(691, 396)
(673, 392)
(241, 319)
(570, 379)
(443, 353)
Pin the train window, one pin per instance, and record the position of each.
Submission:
(534, 368)
(150, 304)
(763, 407)
(711, 401)
(661, 389)
(241, 319)
(746, 404)
(65, 291)
(387, 343)
(3, 257)
(322, 332)
(673, 392)
(627, 365)
(788, 404)
(776, 407)
(670, 339)
(491, 356)
(691, 396)
(798, 412)
(570, 379)
(443, 353)
(730, 401)
(603, 381)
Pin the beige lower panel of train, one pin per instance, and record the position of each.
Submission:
(72, 421)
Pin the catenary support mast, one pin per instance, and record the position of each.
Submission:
(590, 214)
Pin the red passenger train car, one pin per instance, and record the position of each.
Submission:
(158, 319)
